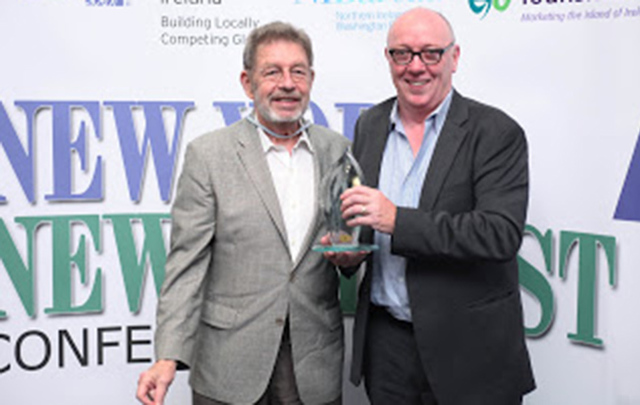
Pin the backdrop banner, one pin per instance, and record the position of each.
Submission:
(99, 98)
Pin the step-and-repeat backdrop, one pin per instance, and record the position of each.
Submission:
(98, 99)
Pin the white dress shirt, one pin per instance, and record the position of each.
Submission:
(294, 180)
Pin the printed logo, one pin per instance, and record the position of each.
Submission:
(107, 3)
(629, 203)
(482, 7)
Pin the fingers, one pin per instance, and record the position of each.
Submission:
(360, 205)
(145, 389)
(154, 383)
(363, 205)
(357, 201)
(346, 259)
(325, 240)
(356, 210)
(342, 259)
(160, 393)
(151, 392)
(356, 195)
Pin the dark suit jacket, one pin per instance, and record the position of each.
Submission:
(461, 245)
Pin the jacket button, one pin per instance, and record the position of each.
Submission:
(292, 277)
(279, 321)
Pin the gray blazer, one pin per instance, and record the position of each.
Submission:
(231, 282)
(461, 245)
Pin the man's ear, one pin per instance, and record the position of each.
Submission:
(386, 55)
(456, 57)
(245, 80)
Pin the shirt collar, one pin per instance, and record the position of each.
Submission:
(268, 145)
(439, 114)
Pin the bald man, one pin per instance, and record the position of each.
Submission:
(439, 318)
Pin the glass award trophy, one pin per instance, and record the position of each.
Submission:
(344, 174)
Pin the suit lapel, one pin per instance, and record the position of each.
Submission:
(446, 149)
(375, 138)
(253, 160)
(376, 135)
(372, 140)
(318, 169)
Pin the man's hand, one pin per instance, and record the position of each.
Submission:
(342, 259)
(154, 383)
(362, 205)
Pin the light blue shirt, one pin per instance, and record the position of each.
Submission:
(401, 178)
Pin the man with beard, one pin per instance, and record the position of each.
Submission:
(246, 305)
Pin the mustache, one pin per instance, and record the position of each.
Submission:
(286, 94)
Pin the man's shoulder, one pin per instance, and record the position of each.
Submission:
(383, 108)
(484, 122)
(219, 135)
(328, 139)
(479, 111)
(327, 132)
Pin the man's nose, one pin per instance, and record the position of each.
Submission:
(286, 81)
(416, 64)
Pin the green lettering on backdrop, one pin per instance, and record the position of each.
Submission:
(536, 283)
(153, 251)
(20, 275)
(63, 263)
(587, 252)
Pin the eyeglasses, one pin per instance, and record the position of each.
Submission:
(428, 56)
(276, 74)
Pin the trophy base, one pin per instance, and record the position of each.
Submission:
(344, 248)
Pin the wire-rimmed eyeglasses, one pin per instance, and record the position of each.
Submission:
(431, 56)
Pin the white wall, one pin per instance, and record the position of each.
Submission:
(571, 83)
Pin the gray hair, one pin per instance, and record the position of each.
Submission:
(275, 31)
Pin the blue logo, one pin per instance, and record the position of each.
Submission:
(107, 3)
(482, 7)
(629, 203)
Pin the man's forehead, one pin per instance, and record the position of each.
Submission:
(273, 43)
(269, 53)
(427, 26)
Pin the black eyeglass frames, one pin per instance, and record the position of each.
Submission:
(431, 56)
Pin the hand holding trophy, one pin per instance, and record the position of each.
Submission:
(343, 174)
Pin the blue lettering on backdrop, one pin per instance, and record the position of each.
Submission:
(155, 141)
(629, 203)
(351, 111)
(134, 158)
(20, 160)
(318, 115)
(63, 148)
(230, 110)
